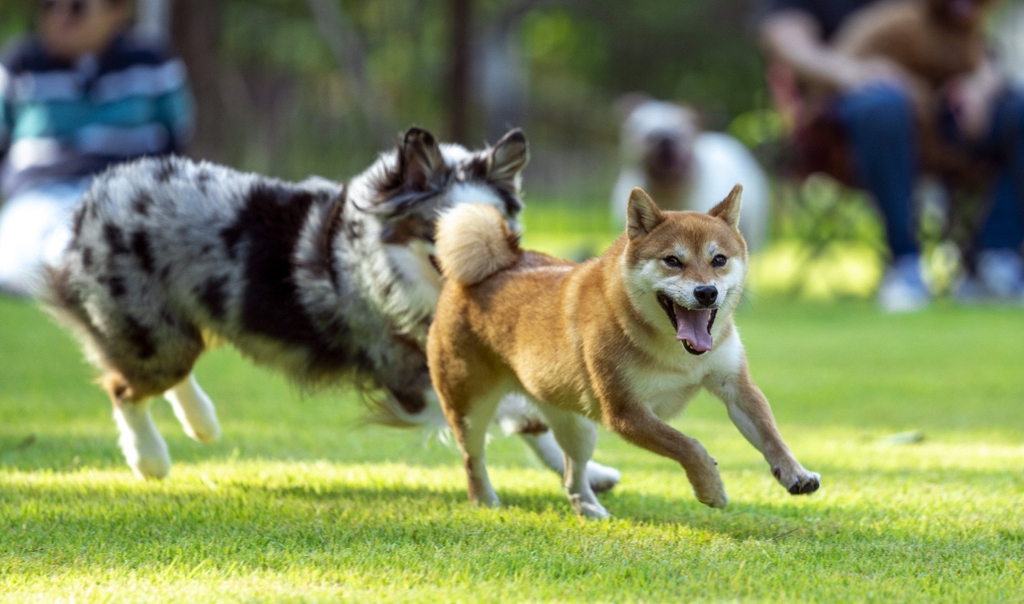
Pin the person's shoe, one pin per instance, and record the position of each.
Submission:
(999, 278)
(970, 290)
(902, 288)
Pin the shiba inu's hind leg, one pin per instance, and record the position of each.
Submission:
(469, 418)
(601, 478)
(194, 410)
(577, 436)
(143, 447)
(516, 417)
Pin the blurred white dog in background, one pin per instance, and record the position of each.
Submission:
(665, 152)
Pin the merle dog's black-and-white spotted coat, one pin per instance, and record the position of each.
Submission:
(316, 279)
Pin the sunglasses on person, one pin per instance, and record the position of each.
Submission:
(76, 9)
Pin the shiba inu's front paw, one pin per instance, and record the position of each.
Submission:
(702, 472)
(715, 498)
(799, 482)
(709, 489)
(602, 478)
(805, 485)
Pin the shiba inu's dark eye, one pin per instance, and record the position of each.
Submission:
(672, 261)
(719, 261)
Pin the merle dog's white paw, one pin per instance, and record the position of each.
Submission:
(194, 410)
(602, 478)
(143, 447)
(799, 481)
(147, 457)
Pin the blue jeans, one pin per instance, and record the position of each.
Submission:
(1004, 146)
(879, 122)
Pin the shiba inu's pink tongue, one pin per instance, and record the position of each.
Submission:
(692, 326)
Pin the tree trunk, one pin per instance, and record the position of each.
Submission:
(347, 46)
(459, 74)
(195, 31)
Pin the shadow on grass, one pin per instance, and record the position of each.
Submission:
(336, 524)
(114, 500)
(97, 447)
(247, 526)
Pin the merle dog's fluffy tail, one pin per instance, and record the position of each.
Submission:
(473, 243)
(61, 299)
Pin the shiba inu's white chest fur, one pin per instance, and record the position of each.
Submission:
(667, 386)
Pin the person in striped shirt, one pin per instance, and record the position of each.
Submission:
(80, 93)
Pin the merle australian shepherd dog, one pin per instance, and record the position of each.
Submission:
(316, 279)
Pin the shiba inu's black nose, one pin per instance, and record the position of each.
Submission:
(705, 294)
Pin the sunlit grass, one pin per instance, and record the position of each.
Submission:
(298, 502)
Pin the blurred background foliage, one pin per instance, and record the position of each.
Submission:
(297, 87)
(279, 83)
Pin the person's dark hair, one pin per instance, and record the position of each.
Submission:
(44, 4)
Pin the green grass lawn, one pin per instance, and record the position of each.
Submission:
(298, 502)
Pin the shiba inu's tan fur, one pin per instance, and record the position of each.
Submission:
(599, 341)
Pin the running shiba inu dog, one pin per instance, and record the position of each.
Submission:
(626, 339)
(318, 280)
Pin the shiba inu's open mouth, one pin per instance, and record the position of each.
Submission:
(693, 327)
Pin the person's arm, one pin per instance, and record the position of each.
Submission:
(177, 109)
(973, 96)
(793, 37)
(6, 117)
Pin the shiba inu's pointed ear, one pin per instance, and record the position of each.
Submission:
(420, 158)
(729, 209)
(642, 215)
(508, 157)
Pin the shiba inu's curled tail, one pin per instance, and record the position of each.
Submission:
(474, 242)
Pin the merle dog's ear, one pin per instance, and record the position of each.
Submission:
(729, 209)
(642, 214)
(508, 157)
(420, 158)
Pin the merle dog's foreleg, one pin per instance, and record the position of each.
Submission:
(143, 447)
(194, 410)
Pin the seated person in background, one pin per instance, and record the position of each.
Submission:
(876, 118)
(76, 96)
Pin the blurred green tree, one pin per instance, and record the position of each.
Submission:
(290, 87)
